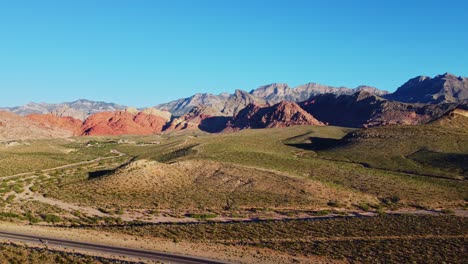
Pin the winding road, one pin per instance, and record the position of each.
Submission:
(105, 249)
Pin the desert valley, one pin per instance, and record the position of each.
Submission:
(309, 174)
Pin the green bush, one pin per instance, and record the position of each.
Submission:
(50, 218)
(34, 188)
(334, 203)
(364, 206)
(322, 212)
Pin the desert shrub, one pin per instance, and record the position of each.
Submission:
(8, 215)
(390, 199)
(394, 198)
(363, 206)
(447, 211)
(32, 219)
(322, 212)
(334, 203)
(50, 218)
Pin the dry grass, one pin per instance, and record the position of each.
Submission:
(202, 185)
(389, 239)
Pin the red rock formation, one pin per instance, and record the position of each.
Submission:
(283, 114)
(122, 123)
(15, 127)
(52, 121)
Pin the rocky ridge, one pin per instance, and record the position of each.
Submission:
(445, 88)
(282, 114)
(15, 127)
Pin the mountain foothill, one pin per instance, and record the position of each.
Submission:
(420, 100)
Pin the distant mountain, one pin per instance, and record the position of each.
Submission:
(368, 110)
(231, 104)
(418, 101)
(15, 127)
(424, 89)
(67, 123)
(226, 104)
(276, 92)
(282, 114)
(79, 109)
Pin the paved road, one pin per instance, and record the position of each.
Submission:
(105, 249)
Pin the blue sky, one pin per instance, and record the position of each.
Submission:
(141, 53)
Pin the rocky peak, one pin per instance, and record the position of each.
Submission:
(153, 111)
(283, 114)
(422, 89)
(132, 110)
(267, 92)
(65, 110)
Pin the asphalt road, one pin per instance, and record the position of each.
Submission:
(105, 249)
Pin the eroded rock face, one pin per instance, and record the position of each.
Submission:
(52, 121)
(283, 114)
(67, 111)
(153, 111)
(277, 92)
(231, 104)
(204, 118)
(226, 104)
(15, 127)
(367, 110)
(122, 123)
(423, 89)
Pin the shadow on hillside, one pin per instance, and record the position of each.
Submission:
(101, 173)
(97, 174)
(318, 144)
(176, 154)
(456, 162)
(214, 124)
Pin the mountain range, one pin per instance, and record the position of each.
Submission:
(423, 89)
(420, 100)
(231, 104)
(79, 109)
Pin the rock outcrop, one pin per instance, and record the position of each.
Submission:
(440, 89)
(15, 127)
(50, 121)
(153, 111)
(226, 104)
(283, 114)
(277, 92)
(205, 118)
(122, 123)
(367, 110)
(67, 111)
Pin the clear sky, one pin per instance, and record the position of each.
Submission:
(141, 53)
